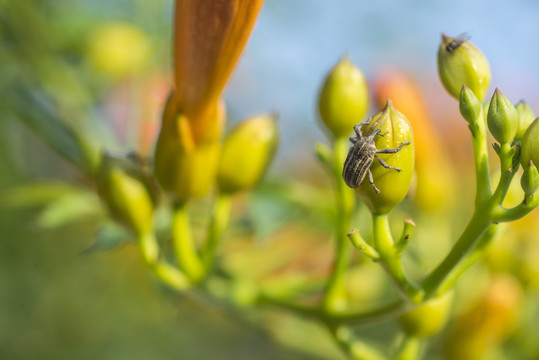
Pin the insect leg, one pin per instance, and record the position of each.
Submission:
(353, 140)
(392, 151)
(371, 181)
(384, 164)
(384, 134)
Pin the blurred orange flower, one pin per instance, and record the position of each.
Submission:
(209, 37)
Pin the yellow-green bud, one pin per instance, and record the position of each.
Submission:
(428, 318)
(393, 185)
(502, 118)
(462, 63)
(344, 98)
(525, 118)
(530, 179)
(185, 168)
(529, 149)
(470, 107)
(128, 193)
(247, 153)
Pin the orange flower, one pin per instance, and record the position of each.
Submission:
(209, 37)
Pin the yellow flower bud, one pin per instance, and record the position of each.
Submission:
(462, 63)
(429, 318)
(502, 118)
(247, 153)
(393, 185)
(183, 167)
(344, 98)
(525, 117)
(128, 193)
(530, 144)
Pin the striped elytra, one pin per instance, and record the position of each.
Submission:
(358, 161)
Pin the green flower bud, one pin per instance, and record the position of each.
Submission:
(529, 149)
(525, 118)
(128, 192)
(470, 107)
(428, 318)
(530, 179)
(393, 185)
(461, 63)
(502, 118)
(247, 153)
(344, 98)
(185, 168)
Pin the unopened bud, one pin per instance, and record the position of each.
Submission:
(470, 107)
(502, 118)
(344, 98)
(529, 149)
(429, 318)
(462, 63)
(392, 184)
(525, 118)
(247, 153)
(530, 179)
(128, 193)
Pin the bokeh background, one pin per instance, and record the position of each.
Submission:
(58, 302)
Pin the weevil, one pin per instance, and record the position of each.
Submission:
(362, 154)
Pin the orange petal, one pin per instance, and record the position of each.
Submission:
(209, 37)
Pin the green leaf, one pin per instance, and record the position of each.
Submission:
(69, 208)
(35, 194)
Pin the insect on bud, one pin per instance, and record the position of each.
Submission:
(470, 107)
(247, 153)
(502, 118)
(393, 165)
(530, 179)
(525, 118)
(344, 98)
(127, 192)
(462, 63)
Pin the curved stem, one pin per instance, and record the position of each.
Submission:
(218, 223)
(446, 270)
(334, 297)
(165, 272)
(390, 258)
(184, 247)
(357, 350)
(410, 349)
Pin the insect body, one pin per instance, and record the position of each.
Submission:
(361, 155)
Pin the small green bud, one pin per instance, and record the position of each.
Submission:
(529, 149)
(462, 63)
(428, 318)
(470, 107)
(344, 98)
(393, 185)
(247, 153)
(502, 118)
(525, 118)
(128, 193)
(530, 179)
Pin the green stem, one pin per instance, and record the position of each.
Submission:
(410, 349)
(447, 271)
(391, 259)
(357, 350)
(480, 151)
(184, 246)
(171, 276)
(334, 297)
(218, 223)
(384, 312)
